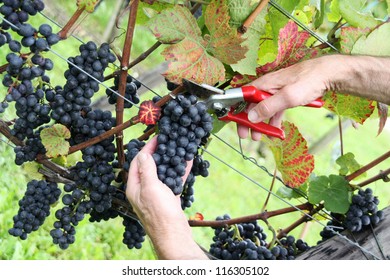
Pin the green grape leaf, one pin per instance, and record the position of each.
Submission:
(32, 169)
(352, 12)
(289, 193)
(192, 56)
(348, 37)
(147, 11)
(291, 156)
(353, 107)
(373, 43)
(334, 13)
(239, 10)
(54, 140)
(388, 6)
(88, 5)
(277, 19)
(333, 191)
(319, 16)
(348, 164)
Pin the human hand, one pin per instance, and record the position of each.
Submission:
(159, 210)
(153, 201)
(293, 86)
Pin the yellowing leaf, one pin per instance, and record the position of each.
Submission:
(188, 60)
(54, 140)
(190, 55)
(373, 43)
(224, 42)
(291, 156)
(356, 108)
(89, 5)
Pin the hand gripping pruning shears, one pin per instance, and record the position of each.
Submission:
(225, 104)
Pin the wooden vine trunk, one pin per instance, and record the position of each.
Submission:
(338, 248)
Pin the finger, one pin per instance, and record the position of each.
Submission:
(188, 170)
(150, 147)
(146, 169)
(255, 135)
(242, 131)
(270, 106)
(276, 120)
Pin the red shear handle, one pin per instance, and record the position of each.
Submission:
(242, 119)
(254, 95)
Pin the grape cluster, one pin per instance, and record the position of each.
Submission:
(132, 85)
(82, 81)
(183, 124)
(199, 167)
(363, 211)
(247, 241)
(134, 234)
(28, 152)
(34, 207)
(133, 148)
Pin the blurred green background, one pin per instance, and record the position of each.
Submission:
(224, 191)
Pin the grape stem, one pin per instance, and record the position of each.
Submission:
(3, 68)
(123, 78)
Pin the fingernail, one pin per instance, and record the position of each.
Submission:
(142, 157)
(253, 116)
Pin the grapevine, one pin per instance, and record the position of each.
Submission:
(52, 121)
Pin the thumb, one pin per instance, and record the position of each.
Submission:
(147, 169)
(267, 108)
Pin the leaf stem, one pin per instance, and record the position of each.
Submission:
(360, 171)
(270, 191)
(247, 23)
(341, 137)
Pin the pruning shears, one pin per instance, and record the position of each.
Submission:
(227, 104)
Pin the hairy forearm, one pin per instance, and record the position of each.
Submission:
(363, 76)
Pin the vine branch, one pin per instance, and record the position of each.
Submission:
(259, 216)
(368, 166)
(64, 32)
(123, 77)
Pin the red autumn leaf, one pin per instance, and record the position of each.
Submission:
(192, 56)
(291, 156)
(348, 37)
(291, 49)
(197, 217)
(149, 113)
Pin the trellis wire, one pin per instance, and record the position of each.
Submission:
(288, 203)
(82, 70)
